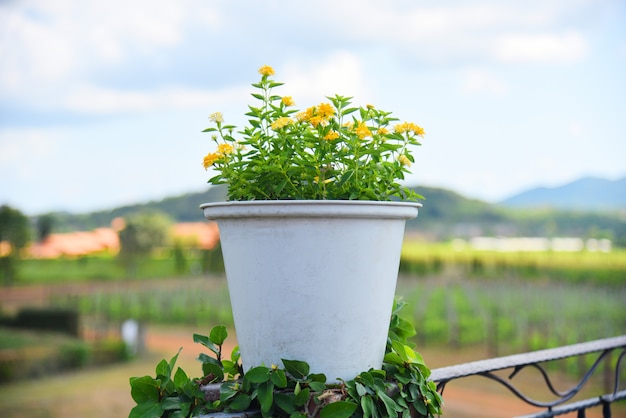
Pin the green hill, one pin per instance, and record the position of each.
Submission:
(444, 215)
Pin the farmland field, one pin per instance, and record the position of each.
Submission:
(465, 305)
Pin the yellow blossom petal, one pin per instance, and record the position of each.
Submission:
(224, 149)
(325, 110)
(404, 160)
(210, 159)
(281, 123)
(331, 136)
(216, 117)
(266, 70)
(288, 101)
(362, 130)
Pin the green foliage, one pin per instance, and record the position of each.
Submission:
(400, 388)
(142, 233)
(329, 151)
(15, 231)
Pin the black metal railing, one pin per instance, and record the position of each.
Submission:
(559, 405)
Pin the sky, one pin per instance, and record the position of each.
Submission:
(102, 104)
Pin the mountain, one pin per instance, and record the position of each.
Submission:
(586, 194)
(445, 214)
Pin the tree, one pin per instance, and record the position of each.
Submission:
(15, 233)
(45, 223)
(144, 231)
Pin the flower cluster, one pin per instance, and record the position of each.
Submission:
(329, 151)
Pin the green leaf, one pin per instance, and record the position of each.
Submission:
(390, 405)
(265, 394)
(146, 410)
(298, 369)
(341, 409)
(317, 386)
(368, 407)
(279, 378)
(285, 402)
(171, 402)
(163, 369)
(258, 374)
(303, 396)
(360, 389)
(173, 362)
(215, 370)
(180, 378)
(144, 389)
(218, 335)
(241, 402)
(205, 341)
(345, 177)
(393, 358)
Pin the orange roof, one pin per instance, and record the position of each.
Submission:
(205, 235)
(76, 243)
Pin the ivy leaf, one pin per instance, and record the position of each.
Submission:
(298, 369)
(303, 396)
(170, 403)
(144, 389)
(317, 386)
(146, 410)
(341, 409)
(240, 403)
(265, 395)
(285, 402)
(218, 334)
(368, 407)
(390, 404)
(205, 341)
(279, 378)
(393, 358)
(180, 378)
(258, 374)
(163, 369)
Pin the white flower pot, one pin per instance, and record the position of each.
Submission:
(312, 280)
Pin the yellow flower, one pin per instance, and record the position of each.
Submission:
(316, 120)
(305, 115)
(362, 130)
(417, 130)
(224, 149)
(382, 131)
(317, 180)
(404, 160)
(281, 123)
(288, 101)
(210, 159)
(409, 127)
(369, 106)
(216, 117)
(266, 70)
(331, 136)
(325, 110)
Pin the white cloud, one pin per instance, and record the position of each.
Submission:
(565, 47)
(96, 100)
(60, 41)
(480, 81)
(310, 82)
(24, 153)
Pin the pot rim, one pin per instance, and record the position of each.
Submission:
(310, 209)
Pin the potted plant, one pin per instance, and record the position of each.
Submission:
(312, 232)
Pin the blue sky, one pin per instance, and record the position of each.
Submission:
(102, 103)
